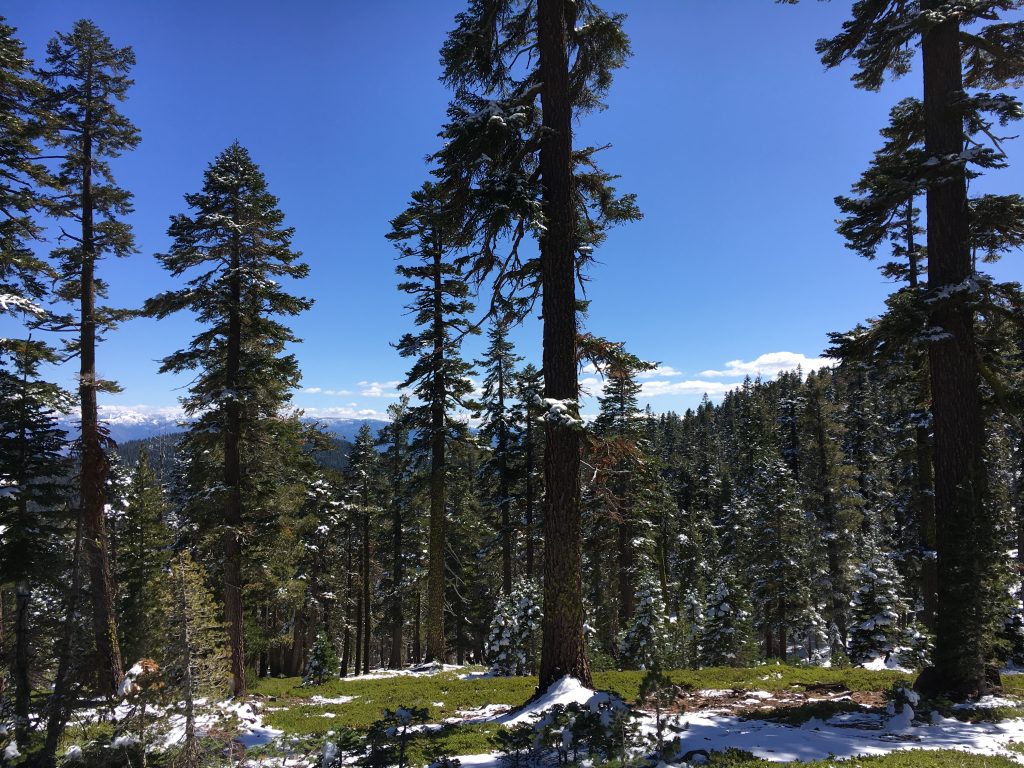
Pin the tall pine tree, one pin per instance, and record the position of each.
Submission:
(233, 248)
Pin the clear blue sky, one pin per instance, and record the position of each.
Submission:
(724, 123)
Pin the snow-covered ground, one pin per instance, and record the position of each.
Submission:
(844, 735)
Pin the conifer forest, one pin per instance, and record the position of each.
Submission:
(516, 567)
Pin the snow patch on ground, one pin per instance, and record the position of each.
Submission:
(880, 664)
(318, 699)
(988, 702)
(419, 670)
(566, 691)
(843, 736)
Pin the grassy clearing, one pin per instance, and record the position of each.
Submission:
(916, 758)
(445, 694)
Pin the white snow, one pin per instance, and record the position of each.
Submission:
(880, 664)
(566, 691)
(318, 699)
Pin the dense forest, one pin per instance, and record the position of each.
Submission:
(867, 514)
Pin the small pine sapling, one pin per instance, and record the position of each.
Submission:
(323, 662)
(389, 737)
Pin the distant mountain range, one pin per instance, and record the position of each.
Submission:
(127, 423)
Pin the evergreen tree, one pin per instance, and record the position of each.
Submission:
(425, 233)
(193, 656)
(361, 479)
(142, 541)
(877, 611)
(395, 438)
(86, 77)
(22, 275)
(510, 640)
(645, 641)
(778, 556)
(496, 433)
(33, 469)
(725, 636)
(962, 50)
(234, 248)
(529, 386)
(829, 494)
(323, 662)
(510, 156)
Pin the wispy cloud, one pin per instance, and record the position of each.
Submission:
(663, 387)
(661, 371)
(322, 391)
(769, 365)
(379, 388)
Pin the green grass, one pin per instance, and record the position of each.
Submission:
(915, 758)
(372, 696)
(1013, 684)
(444, 694)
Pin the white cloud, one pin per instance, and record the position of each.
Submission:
(379, 388)
(322, 391)
(662, 371)
(770, 364)
(695, 387)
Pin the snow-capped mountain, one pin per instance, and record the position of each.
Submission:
(127, 422)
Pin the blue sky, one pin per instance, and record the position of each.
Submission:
(725, 124)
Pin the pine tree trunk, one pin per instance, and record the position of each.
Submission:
(530, 496)
(417, 641)
(925, 491)
(22, 684)
(963, 530)
(191, 746)
(59, 705)
(397, 619)
(563, 649)
(94, 460)
(366, 579)
(232, 538)
(346, 643)
(357, 667)
(436, 545)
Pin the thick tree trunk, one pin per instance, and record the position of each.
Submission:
(924, 493)
(232, 535)
(436, 544)
(94, 459)
(19, 671)
(563, 649)
(963, 529)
